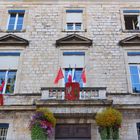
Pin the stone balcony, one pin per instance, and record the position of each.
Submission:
(91, 100)
(86, 93)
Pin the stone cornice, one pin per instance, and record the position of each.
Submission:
(75, 1)
(11, 39)
(73, 39)
(127, 106)
(131, 41)
(73, 103)
(17, 108)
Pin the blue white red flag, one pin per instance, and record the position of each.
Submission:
(69, 76)
(74, 76)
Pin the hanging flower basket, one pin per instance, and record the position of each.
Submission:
(42, 124)
(109, 122)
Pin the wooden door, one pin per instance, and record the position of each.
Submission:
(73, 132)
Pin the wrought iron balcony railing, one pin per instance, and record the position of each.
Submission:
(86, 93)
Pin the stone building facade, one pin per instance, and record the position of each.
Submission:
(37, 37)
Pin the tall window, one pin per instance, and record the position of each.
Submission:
(76, 75)
(134, 66)
(15, 22)
(74, 20)
(138, 130)
(132, 19)
(74, 63)
(3, 130)
(8, 70)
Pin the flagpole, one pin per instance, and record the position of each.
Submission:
(6, 79)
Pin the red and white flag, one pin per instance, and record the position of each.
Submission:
(59, 76)
(83, 76)
(2, 86)
(69, 76)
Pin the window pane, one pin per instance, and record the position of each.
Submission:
(131, 22)
(133, 70)
(136, 88)
(12, 18)
(11, 22)
(19, 28)
(70, 26)
(135, 79)
(11, 27)
(78, 26)
(76, 78)
(19, 22)
(11, 81)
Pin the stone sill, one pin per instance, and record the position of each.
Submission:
(73, 103)
(127, 106)
(23, 94)
(6, 31)
(17, 108)
(123, 94)
(74, 115)
(131, 31)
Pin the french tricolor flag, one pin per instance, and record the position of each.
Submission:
(69, 76)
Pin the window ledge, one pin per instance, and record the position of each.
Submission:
(136, 94)
(24, 30)
(74, 30)
(6, 31)
(131, 31)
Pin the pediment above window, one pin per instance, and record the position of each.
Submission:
(131, 41)
(11, 39)
(73, 39)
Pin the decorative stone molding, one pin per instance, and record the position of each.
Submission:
(73, 39)
(131, 41)
(11, 39)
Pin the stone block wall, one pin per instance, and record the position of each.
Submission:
(40, 61)
(17, 129)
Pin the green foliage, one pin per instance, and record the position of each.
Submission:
(108, 133)
(109, 117)
(109, 121)
(37, 133)
(42, 124)
(48, 115)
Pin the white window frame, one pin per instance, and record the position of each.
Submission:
(63, 81)
(83, 23)
(72, 67)
(15, 25)
(123, 21)
(6, 82)
(3, 132)
(74, 26)
(17, 75)
(128, 74)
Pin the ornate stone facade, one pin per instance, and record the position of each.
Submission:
(41, 44)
